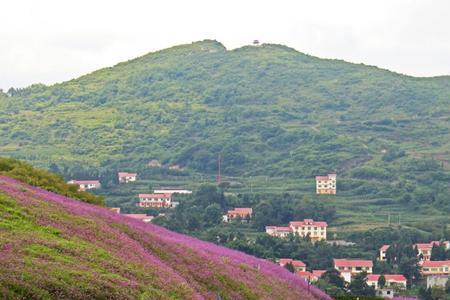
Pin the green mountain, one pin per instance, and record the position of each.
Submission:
(267, 110)
(54, 247)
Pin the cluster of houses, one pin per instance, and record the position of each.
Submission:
(83, 185)
(428, 267)
(315, 230)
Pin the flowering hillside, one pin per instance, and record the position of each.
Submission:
(53, 247)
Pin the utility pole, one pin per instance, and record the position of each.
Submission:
(219, 179)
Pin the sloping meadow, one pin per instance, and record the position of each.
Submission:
(53, 247)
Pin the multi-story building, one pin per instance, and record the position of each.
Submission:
(349, 267)
(326, 184)
(86, 184)
(125, 177)
(383, 251)
(316, 231)
(155, 200)
(435, 267)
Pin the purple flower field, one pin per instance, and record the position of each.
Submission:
(55, 247)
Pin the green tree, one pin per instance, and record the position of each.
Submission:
(213, 214)
(359, 286)
(290, 267)
(381, 281)
(438, 252)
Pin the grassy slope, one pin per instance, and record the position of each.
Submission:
(52, 247)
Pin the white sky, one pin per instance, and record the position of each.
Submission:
(51, 41)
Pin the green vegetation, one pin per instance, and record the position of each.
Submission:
(277, 117)
(44, 179)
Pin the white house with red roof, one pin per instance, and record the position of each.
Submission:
(392, 280)
(383, 251)
(349, 267)
(155, 200)
(435, 267)
(424, 249)
(298, 265)
(326, 184)
(316, 274)
(141, 217)
(125, 177)
(86, 184)
(316, 230)
(241, 212)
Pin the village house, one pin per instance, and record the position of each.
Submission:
(435, 267)
(278, 231)
(349, 267)
(326, 184)
(383, 251)
(125, 177)
(241, 212)
(115, 209)
(86, 184)
(172, 191)
(311, 276)
(316, 274)
(154, 163)
(175, 168)
(392, 280)
(155, 200)
(141, 217)
(316, 231)
(424, 250)
(298, 265)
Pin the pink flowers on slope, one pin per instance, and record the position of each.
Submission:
(206, 268)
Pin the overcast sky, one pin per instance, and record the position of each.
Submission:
(50, 41)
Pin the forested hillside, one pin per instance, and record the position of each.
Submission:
(268, 110)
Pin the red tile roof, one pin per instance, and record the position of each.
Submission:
(295, 263)
(307, 222)
(318, 273)
(285, 229)
(241, 211)
(85, 181)
(124, 174)
(423, 246)
(390, 277)
(435, 263)
(304, 274)
(157, 196)
(321, 177)
(384, 248)
(138, 216)
(352, 263)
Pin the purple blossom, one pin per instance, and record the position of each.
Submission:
(186, 263)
